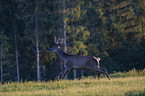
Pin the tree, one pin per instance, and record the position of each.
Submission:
(37, 47)
(4, 57)
(112, 30)
(7, 12)
(17, 60)
(39, 35)
(77, 34)
(1, 65)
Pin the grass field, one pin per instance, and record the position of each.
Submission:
(90, 86)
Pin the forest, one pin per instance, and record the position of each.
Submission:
(110, 29)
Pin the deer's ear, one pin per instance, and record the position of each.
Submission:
(55, 40)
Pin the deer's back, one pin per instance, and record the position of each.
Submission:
(81, 61)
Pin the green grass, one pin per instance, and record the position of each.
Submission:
(133, 85)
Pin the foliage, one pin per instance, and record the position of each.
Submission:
(109, 29)
(6, 64)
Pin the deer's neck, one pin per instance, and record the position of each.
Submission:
(62, 54)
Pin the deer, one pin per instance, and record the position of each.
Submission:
(76, 61)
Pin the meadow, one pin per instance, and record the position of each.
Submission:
(130, 83)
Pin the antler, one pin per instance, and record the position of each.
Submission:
(59, 41)
(56, 42)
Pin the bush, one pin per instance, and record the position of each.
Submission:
(132, 73)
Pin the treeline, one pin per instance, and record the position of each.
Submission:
(110, 29)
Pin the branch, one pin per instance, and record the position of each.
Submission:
(26, 16)
(33, 42)
(27, 5)
(33, 48)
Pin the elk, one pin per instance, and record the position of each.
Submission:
(76, 61)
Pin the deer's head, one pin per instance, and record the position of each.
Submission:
(58, 43)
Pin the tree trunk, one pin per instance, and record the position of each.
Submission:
(74, 53)
(82, 73)
(36, 20)
(38, 69)
(74, 74)
(17, 60)
(1, 65)
(64, 28)
(142, 26)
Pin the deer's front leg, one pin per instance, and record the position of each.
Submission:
(61, 72)
(67, 73)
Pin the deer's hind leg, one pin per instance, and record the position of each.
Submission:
(107, 75)
(99, 70)
(98, 73)
(104, 72)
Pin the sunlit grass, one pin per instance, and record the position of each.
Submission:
(120, 86)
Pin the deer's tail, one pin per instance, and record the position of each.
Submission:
(100, 69)
(97, 59)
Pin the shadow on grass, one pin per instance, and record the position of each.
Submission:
(133, 93)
